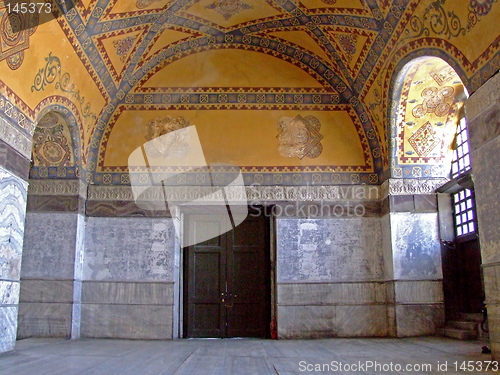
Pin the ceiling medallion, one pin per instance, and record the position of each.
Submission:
(141, 4)
(300, 137)
(228, 8)
(434, 102)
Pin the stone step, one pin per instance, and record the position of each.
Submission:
(457, 333)
(463, 324)
(471, 317)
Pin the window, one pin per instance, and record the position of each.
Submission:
(463, 200)
(465, 217)
(461, 157)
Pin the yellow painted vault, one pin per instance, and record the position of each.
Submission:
(292, 92)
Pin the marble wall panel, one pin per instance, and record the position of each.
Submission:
(491, 275)
(416, 246)
(129, 249)
(9, 292)
(297, 322)
(328, 250)
(419, 292)
(419, 320)
(8, 327)
(128, 293)
(151, 322)
(49, 245)
(50, 291)
(331, 294)
(361, 321)
(486, 167)
(494, 329)
(12, 218)
(44, 320)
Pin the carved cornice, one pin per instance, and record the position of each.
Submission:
(55, 187)
(412, 186)
(15, 138)
(254, 194)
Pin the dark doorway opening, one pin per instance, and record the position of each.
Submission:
(227, 280)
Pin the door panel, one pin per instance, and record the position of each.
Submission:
(227, 281)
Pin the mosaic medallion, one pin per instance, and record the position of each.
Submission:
(123, 46)
(434, 102)
(300, 137)
(228, 8)
(481, 7)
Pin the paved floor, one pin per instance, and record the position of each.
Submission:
(245, 356)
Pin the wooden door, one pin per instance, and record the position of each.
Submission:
(227, 280)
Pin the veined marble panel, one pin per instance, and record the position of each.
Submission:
(39, 290)
(129, 249)
(8, 328)
(416, 246)
(418, 292)
(148, 322)
(12, 217)
(331, 294)
(494, 328)
(419, 320)
(50, 203)
(329, 250)
(306, 322)
(297, 322)
(44, 320)
(9, 292)
(49, 245)
(128, 293)
(491, 275)
(362, 321)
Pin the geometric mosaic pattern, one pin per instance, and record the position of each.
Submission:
(424, 140)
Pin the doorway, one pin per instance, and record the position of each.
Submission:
(227, 291)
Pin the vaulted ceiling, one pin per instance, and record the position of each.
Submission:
(245, 72)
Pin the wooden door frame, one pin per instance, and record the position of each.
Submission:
(179, 307)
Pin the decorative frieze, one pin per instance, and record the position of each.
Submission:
(412, 186)
(55, 187)
(254, 194)
(15, 138)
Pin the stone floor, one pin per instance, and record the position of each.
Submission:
(243, 356)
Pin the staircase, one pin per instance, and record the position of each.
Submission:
(465, 327)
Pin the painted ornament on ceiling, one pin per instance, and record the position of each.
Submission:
(228, 8)
(15, 31)
(481, 7)
(141, 4)
(434, 102)
(300, 137)
(424, 140)
(123, 46)
(51, 146)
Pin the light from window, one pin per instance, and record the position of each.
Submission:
(461, 156)
(465, 217)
